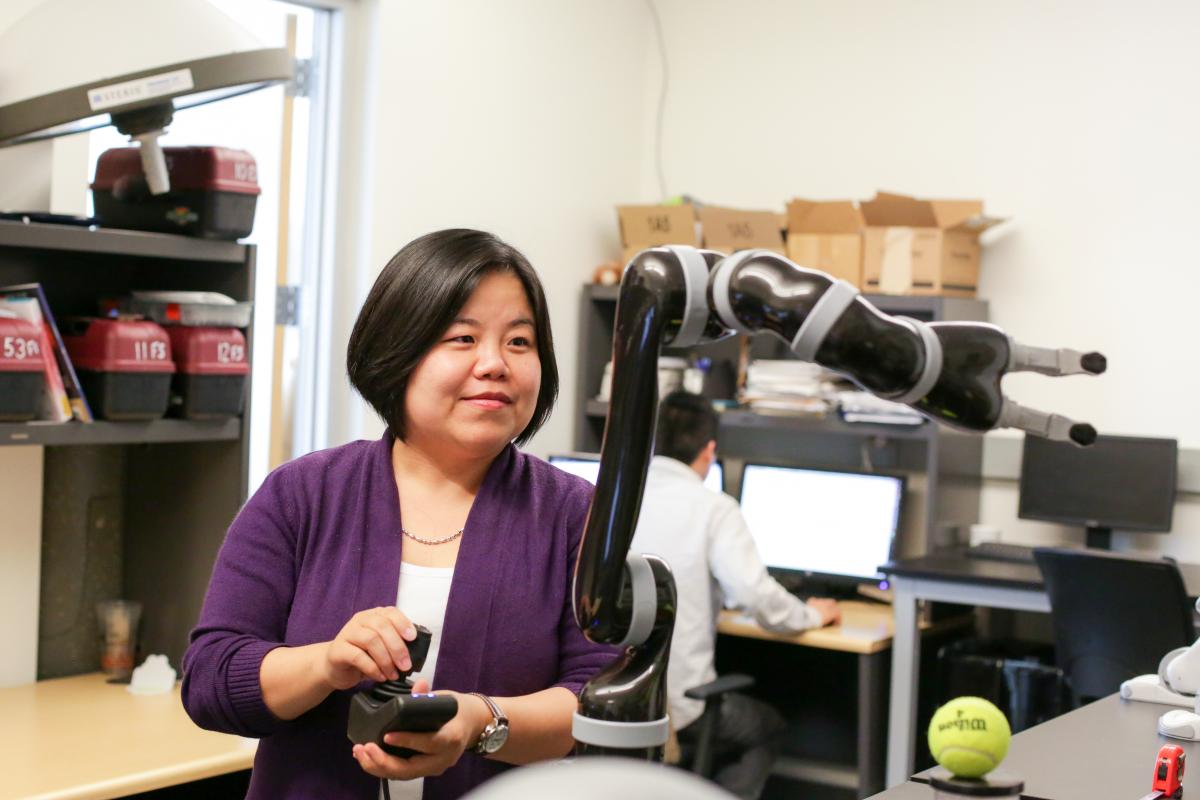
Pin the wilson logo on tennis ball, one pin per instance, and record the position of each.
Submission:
(961, 724)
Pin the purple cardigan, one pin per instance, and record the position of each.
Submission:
(319, 541)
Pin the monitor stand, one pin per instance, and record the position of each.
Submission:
(1099, 538)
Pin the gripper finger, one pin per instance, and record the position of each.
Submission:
(1054, 361)
(1048, 426)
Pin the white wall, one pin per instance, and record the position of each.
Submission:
(1073, 118)
(523, 118)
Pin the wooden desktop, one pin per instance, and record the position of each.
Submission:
(81, 738)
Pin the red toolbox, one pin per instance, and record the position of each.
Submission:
(22, 366)
(124, 365)
(213, 192)
(210, 372)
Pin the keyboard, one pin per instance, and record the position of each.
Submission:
(1001, 551)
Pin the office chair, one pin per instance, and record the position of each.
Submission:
(1114, 616)
(699, 758)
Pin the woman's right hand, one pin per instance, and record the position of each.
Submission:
(371, 646)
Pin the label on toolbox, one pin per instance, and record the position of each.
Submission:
(18, 348)
(208, 351)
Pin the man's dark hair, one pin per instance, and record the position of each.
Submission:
(416, 297)
(686, 424)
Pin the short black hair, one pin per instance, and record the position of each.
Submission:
(416, 297)
(686, 424)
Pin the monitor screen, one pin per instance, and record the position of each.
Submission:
(587, 466)
(816, 521)
(1121, 482)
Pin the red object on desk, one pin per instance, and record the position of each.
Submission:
(1168, 772)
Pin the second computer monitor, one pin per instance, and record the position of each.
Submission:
(587, 466)
(831, 524)
(1121, 482)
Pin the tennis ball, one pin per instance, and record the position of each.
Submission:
(969, 736)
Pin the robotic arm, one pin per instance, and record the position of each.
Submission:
(949, 371)
(682, 296)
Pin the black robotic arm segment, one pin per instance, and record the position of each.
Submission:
(949, 371)
(662, 300)
(823, 319)
(623, 708)
(622, 598)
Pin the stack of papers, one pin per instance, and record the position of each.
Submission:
(787, 387)
(857, 406)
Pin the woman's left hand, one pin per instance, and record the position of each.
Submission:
(437, 751)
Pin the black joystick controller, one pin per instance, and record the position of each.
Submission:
(392, 706)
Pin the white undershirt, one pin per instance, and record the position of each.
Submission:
(422, 597)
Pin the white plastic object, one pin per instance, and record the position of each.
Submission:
(154, 676)
(1180, 724)
(194, 308)
(154, 162)
(1182, 671)
(1150, 689)
(170, 296)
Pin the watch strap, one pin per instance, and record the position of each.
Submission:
(499, 721)
(497, 714)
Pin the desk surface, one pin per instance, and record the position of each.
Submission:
(956, 566)
(1103, 750)
(865, 628)
(910, 791)
(84, 739)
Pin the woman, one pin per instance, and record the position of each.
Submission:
(442, 522)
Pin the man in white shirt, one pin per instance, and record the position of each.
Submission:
(703, 536)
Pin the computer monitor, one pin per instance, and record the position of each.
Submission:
(838, 527)
(587, 466)
(1121, 482)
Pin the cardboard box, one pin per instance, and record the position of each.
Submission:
(650, 226)
(826, 236)
(730, 230)
(922, 247)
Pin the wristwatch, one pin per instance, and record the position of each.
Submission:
(495, 733)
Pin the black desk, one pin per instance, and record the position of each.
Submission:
(952, 577)
(955, 565)
(1102, 751)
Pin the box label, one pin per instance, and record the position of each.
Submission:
(649, 226)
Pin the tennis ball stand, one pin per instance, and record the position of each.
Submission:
(995, 784)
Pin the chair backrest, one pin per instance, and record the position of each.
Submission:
(1115, 616)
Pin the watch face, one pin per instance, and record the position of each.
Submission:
(495, 739)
